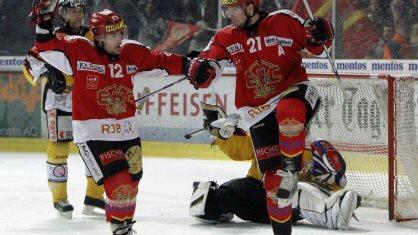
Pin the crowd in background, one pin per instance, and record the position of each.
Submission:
(373, 29)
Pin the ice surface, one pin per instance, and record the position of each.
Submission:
(162, 207)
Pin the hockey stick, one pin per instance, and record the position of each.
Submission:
(140, 105)
(334, 68)
(158, 90)
(190, 135)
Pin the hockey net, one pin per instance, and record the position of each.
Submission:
(374, 126)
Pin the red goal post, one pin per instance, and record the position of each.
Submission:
(376, 131)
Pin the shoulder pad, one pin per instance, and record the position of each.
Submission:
(73, 38)
(129, 41)
(288, 13)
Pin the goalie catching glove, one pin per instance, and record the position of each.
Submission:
(218, 123)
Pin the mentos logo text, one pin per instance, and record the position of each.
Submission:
(87, 66)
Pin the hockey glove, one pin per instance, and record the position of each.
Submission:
(56, 79)
(319, 31)
(211, 113)
(201, 72)
(134, 158)
(43, 10)
(329, 166)
(193, 54)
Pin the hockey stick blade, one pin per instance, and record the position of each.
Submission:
(141, 103)
(190, 135)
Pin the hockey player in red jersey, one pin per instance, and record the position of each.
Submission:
(56, 104)
(103, 102)
(273, 95)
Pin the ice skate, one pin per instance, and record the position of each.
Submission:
(124, 228)
(64, 209)
(93, 207)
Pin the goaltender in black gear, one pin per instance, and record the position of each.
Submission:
(321, 198)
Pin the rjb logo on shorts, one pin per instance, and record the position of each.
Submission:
(117, 128)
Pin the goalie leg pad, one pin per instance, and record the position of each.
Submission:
(121, 193)
(205, 204)
(265, 137)
(332, 212)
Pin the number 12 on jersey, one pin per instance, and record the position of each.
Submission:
(115, 70)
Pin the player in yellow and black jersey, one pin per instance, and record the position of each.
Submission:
(321, 197)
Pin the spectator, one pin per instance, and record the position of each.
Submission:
(152, 25)
(209, 20)
(15, 27)
(380, 14)
(414, 41)
(391, 48)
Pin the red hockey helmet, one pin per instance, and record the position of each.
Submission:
(241, 3)
(106, 22)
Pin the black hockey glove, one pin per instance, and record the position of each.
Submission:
(187, 59)
(56, 79)
(193, 54)
(319, 30)
(201, 72)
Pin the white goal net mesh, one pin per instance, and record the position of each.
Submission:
(357, 125)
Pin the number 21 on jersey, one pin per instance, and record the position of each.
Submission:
(255, 45)
(115, 70)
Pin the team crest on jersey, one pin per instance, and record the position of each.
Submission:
(274, 40)
(115, 98)
(131, 69)
(235, 48)
(263, 76)
(87, 66)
